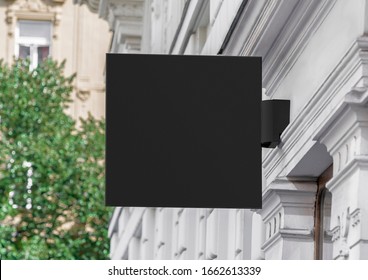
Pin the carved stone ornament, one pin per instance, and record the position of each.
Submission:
(32, 5)
(127, 9)
(344, 222)
(355, 218)
(22, 8)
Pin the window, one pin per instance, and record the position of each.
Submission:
(33, 40)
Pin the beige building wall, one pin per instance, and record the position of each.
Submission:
(78, 36)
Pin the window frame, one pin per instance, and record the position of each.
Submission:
(32, 42)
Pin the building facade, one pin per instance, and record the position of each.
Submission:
(37, 29)
(315, 54)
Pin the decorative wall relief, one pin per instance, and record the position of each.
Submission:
(344, 224)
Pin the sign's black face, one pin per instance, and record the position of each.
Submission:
(183, 131)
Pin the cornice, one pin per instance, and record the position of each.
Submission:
(113, 10)
(268, 24)
(278, 31)
(317, 114)
(49, 10)
(301, 234)
(350, 167)
(342, 126)
(253, 23)
(125, 19)
(284, 193)
(298, 30)
(121, 10)
(34, 6)
(92, 5)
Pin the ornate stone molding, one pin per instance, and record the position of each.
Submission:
(340, 233)
(112, 10)
(278, 31)
(355, 217)
(48, 10)
(34, 9)
(304, 21)
(271, 13)
(125, 18)
(92, 5)
(320, 111)
(345, 134)
(295, 234)
(282, 201)
(120, 9)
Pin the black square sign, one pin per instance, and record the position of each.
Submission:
(183, 131)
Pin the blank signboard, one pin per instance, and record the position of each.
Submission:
(183, 131)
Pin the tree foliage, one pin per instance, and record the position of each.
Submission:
(51, 172)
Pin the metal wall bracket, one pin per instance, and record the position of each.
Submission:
(275, 118)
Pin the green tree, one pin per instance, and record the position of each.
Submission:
(51, 171)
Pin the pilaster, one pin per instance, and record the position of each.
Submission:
(217, 234)
(288, 209)
(346, 137)
(163, 236)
